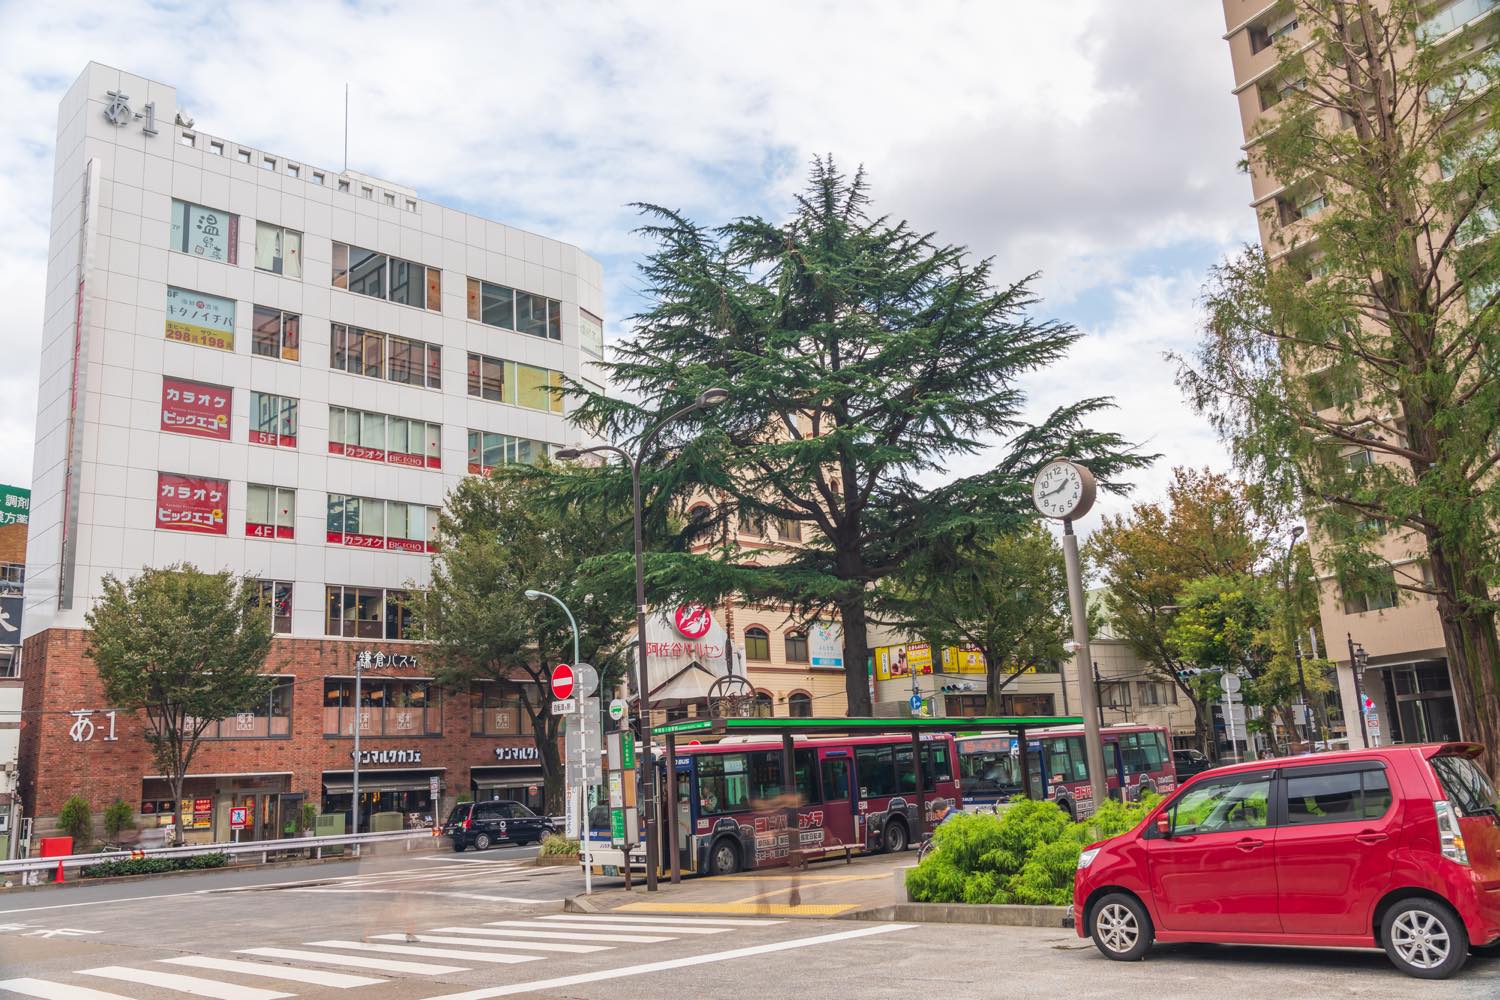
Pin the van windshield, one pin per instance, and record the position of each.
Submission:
(1466, 785)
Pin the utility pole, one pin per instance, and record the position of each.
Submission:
(359, 676)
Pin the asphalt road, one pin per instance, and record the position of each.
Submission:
(432, 925)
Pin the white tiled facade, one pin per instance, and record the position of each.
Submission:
(120, 447)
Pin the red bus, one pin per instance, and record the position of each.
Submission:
(856, 793)
(1136, 758)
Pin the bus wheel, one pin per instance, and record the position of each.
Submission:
(895, 837)
(724, 858)
(1070, 809)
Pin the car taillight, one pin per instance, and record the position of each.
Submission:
(1450, 839)
(468, 823)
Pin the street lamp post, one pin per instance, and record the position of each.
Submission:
(1357, 660)
(583, 795)
(710, 397)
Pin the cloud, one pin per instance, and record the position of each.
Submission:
(1078, 138)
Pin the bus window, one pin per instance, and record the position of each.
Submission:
(935, 765)
(806, 765)
(765, 775)
(906, 775)
(1142, 752)
(723, 785)
(835, 779)
(986, 770)
(876, 774)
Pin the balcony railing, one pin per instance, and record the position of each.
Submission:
(1453, 17)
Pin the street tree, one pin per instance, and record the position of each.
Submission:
(864, 358)
(1006, 597)
(1355, 374)
(497, 538)
(1207, 527)
(186, 648)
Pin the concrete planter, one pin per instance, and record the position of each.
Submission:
(967, 913)
(556, 860)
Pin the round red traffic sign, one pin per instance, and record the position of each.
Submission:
(693, 621)
(562, 682)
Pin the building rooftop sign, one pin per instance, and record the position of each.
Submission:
(15, 505)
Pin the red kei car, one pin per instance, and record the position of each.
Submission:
(1395, 848)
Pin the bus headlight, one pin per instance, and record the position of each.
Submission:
(1087, 858)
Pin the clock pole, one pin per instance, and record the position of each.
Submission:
(1088, 693)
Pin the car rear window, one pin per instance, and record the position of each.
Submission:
(1336, 797)
(1466, 785)
(460, 812)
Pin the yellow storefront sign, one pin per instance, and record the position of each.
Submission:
(201, 319)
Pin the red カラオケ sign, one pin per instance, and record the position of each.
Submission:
(191, 503)
(195, 408)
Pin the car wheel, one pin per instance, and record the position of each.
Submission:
(482, 842)
(1121, 927)
(1424, 938)
(724, 857)
(458, 846)
(895, 837)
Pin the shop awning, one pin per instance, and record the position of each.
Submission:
(342, 782)
(504, 777)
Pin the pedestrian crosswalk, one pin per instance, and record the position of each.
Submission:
(279, 972)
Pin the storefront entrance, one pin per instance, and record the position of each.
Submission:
(206, 802)
(407, 792)
(1422, 694)
(517, 784)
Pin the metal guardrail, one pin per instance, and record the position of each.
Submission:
(264, 848)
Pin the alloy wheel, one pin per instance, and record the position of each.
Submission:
(1420, 939)
(1117, 927)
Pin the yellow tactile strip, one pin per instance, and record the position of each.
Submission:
(779, 909)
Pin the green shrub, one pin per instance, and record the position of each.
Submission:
(77, 821)
(118, 817)
(555, 845)
(155, 866)
(1027, 854)
(307, 817)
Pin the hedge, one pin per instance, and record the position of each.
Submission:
(555, 845)
(154, 866)
(1027, 854)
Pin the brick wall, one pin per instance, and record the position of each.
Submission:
(60, 679)
(12, 543)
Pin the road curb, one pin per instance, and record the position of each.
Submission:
(77, 882)
(997, 915)
(581, 904)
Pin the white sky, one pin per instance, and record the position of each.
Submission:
(1093, 140)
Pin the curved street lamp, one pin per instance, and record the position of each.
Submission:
(709, 397)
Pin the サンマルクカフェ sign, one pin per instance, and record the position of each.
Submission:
(517, 754)
(389, 756)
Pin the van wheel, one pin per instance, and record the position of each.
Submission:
(482, 842)
(1121, 927)
(724, 857)
(458, 846)
(1424, 938)
(895, 837)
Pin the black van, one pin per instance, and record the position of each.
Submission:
(481, 824)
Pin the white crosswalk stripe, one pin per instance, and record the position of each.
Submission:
(337, 980)
(44, 989)
(184, 984)
(435, 936)
(354, 961)
(561, 935)
(637, 918)
(605, 923)
(400, 949)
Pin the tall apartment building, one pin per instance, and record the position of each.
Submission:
(1407, 678)
(255, 363)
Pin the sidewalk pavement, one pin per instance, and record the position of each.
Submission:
(823, 889)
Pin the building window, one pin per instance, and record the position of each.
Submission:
(268, 163)
(765, 708)
(367, 192)
(966, 705)
(590, 333)
(1361, 458)
(511, 382)
(497, 305)
(1026, 704)
(10, 662)
(292, 170)
(789, 530)
(244, 155)
(1362, 602)
(1157, 692)
(757, 643)
(12, 578)
(799, 706)
(273, 420)
(270, 511)
(379, 438)
(371, 523)
(344, 186)
(368, 613)
(381, 276)
(204, 232)
(411, 205)
(495, 712)
(187, 139)
(388, 707)
(390, 198)
(278, 250)
(269, 718)
(215, 147)
(489, 451)
(752, 523)
(318, 177)
(276, 334)
(365, 352)
(277, 596)
(1114, 694)
(796, 647)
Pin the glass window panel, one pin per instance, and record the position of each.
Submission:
(373, 514)
(372, 430)
(396, 518)
(398, 436)
(408, 282)
(554, 320)
(267, 246)
(757, 644)
(473, 298)
(476, 447)
(416, 523)
(1222, 805)
(336, 425)
(291, 336)
(340, 265)
(367, 272)
(435, 289)
(258, 501)
(493, 377)
(474, 379)
(555, 381)
(401, 362)
(288, 423)
(339, 348)
(497, 305)
(265, 332)
(336, 507)
(286, 508)
(374, 353)
(591, 333)
(434, 366)
(533, 389)
(531, 314)
(291, 253)
(494, 450)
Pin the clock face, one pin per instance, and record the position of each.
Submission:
(1061, 491)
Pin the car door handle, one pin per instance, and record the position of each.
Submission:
(1370, 837)
(1248, 844)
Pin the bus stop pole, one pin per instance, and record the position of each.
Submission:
(1026, 788)
(672, 850)
(916, 764)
